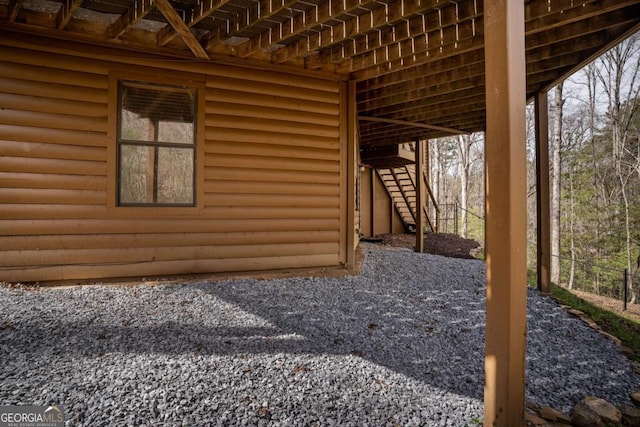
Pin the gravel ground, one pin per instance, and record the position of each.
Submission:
(400, 344)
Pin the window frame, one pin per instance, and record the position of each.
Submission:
(153, 79)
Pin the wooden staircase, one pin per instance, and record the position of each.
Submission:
(400, 183)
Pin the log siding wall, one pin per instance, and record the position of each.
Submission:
(270, 173)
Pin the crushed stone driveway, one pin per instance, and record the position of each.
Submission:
(402, 343)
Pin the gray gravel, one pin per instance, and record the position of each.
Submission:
(402, 343)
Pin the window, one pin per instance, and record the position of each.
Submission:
(156, 144)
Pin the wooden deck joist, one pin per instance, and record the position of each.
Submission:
(414, 60)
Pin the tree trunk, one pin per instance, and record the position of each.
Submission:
(464, 164)
(632, 294)
(434, 158)
(590, 72)
(556, 185)
(572, 216)
(621, 68)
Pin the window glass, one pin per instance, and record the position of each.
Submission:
(175, 175)
(156, 144)
(136, 174)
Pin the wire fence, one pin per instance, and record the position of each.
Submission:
(594, 276)
(450, 221)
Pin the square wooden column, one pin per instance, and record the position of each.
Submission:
(420, 196)
(349, 168)
(506, 220)
(542, 194)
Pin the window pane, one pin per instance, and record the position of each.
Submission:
(172, 110)
(175, 175)
(176, 132)
(136, 174)
(136, 128)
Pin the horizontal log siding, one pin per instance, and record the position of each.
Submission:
(271, 174)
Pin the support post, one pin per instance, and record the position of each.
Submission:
(419, 196)
(505, 209)
(352, 169)
(348, 170)
(372, 189)
(542, 194)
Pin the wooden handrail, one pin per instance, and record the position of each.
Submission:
(426, 213)
(433, 200)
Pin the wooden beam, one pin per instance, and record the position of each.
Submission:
(373, 139)
(66, 12)
(398, 134)
(385, 154)
(437, 28)
(348, 25)
(570, 57)
(440, 112)
(14, 9)
(543, 209)
(612, 42)
(450, 64)
(181, 28)
(411, 124)
(390, 59)
(337, 41)
(448, 111)
(381, 134)
(446, 26)
(417, 86)
(257, 14)
(301, 22)
(506, 213)
(420, 199)
(584, 27)
(432, 103)
(424, 49)
(200, 10)
(128, 19)
(422, 94)
(569, 12)
(452, 29)
(435, 110)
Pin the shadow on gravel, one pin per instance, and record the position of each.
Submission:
(420, 316)
(382, 325)
(425, 330)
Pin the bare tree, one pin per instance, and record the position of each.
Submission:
(618, 75)
(434, 160)
(464, 166)
(556, 183)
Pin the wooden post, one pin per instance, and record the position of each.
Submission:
(419, 196)
(505, 162)
(352, 169)
(372, 209)
(542, 194)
